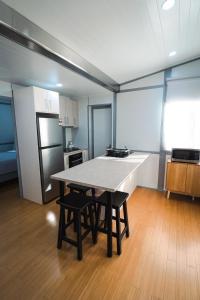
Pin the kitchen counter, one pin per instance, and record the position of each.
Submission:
(107, 173)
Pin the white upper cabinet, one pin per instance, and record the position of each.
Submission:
(75, 113)
(68, 112)
(46, 101)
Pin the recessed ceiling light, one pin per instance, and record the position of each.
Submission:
(172, 53)
(167, 4)
(59, 84)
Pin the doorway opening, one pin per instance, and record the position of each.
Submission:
(8, 154)
(101, 129)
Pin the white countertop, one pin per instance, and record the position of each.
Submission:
(106, 173)
(74, 152)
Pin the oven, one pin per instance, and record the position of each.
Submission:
(75, 159)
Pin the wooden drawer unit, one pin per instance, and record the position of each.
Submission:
(183, 178)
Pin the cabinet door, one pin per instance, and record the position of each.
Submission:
(69, 112)
(193, 180)
(176, 177)
(62, 111)
(53, 100)
(75, 113)
(40, 100)
(46, 101)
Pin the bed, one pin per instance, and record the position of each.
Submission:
(8, 165)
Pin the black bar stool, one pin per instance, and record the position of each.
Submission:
(83, 190)
(119, 200)
(76, 203)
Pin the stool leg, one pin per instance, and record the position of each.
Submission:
(75, 221)
(79, 240)
(93, 193)
(126, 218)
(97, 222)
(94, 205)
(61, 228)
(118, 230)
(69, 215)
(85, 217)
(85, 212)
(92, 223)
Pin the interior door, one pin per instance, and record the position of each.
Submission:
(102, 129)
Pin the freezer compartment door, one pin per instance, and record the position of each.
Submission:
(50, 133)
(52, 161)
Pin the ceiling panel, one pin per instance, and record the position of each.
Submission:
(125, 39)
(22, 66)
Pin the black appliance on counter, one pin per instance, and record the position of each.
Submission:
(186, 155)
(50, 146)
(115, 152)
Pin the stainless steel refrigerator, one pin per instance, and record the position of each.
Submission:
(51, 156)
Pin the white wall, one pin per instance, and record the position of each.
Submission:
(139, 119)
(187, 70)
(139, 115)
(27, 143)
(5, 89)
(156, 79)
(80, 135)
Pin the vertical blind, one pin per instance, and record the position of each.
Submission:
(182, 114)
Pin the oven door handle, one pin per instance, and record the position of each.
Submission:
(76, 160)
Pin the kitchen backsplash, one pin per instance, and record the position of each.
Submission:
(68, 135)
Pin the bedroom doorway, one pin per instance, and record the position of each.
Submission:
(8, 157)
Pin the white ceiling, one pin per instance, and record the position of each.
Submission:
(123, 38)
(22, 66)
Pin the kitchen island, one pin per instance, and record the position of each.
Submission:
(110, 174)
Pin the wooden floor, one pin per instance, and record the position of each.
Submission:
(160, 260)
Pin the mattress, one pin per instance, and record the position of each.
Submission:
(8, 162)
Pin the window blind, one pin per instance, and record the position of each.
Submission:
(182, 114)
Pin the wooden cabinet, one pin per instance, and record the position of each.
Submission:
(68, 112)
(176, 177)
(183, 178)
(193, 180)
(46, 101)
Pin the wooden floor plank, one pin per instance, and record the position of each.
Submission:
(160, 259)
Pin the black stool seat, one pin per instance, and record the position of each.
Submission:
(79, 188)
(118, 199)
(74, 201)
